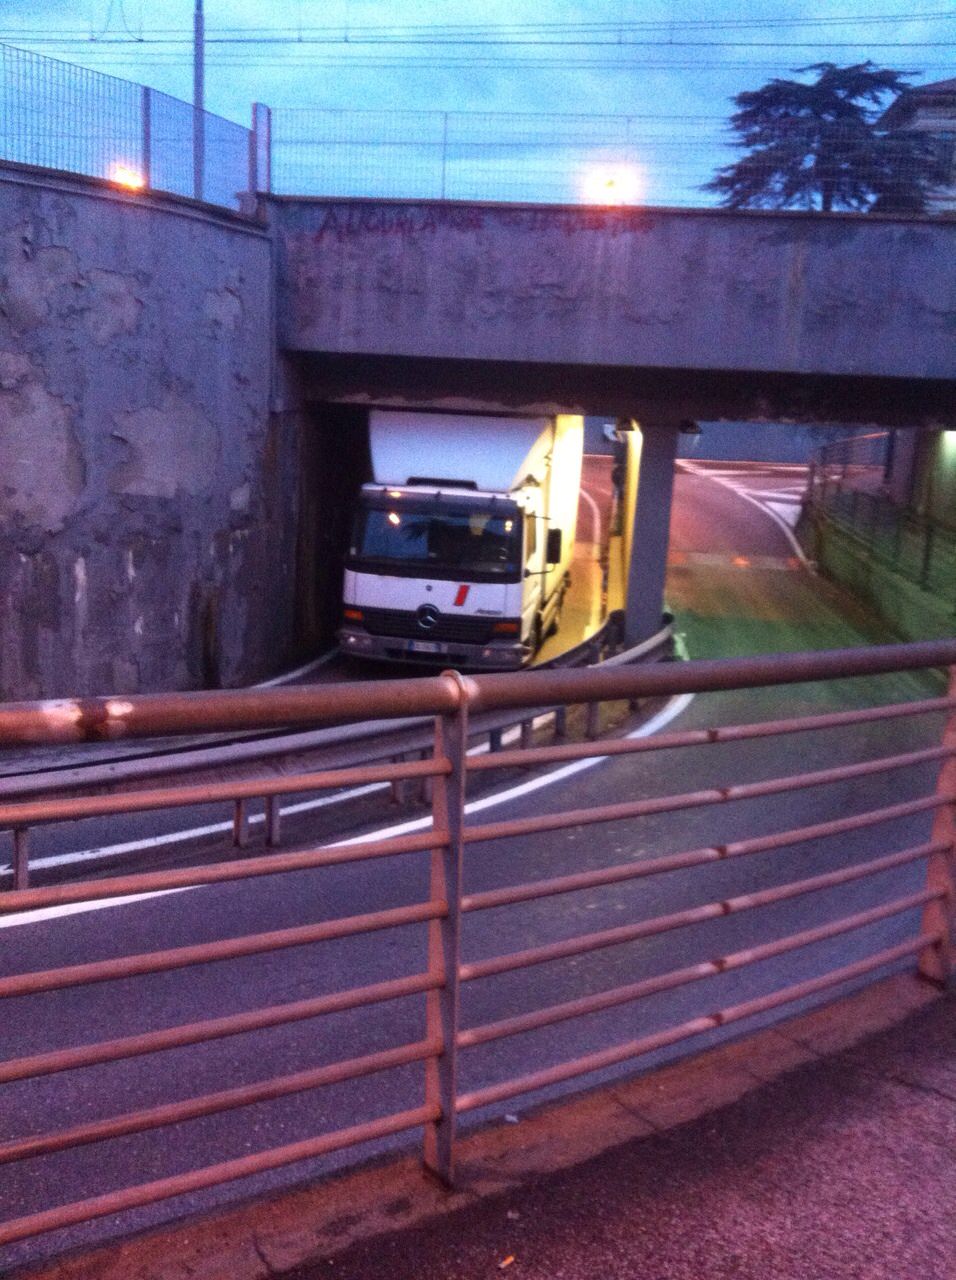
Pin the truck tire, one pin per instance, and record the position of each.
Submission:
(555, 626)
(537, 636)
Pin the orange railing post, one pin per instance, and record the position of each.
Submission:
(444, 936)
(938, 962)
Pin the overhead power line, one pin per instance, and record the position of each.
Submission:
(464, 43)
(515, 31)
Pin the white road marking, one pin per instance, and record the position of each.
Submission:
(744, 468)
(717, 478)
(672, 708)
(781, 495)
(103, 852)
(299, 671)
(76, 908)
(787, 511)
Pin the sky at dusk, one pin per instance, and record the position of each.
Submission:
(671, 68)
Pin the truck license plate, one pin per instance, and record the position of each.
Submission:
(425, 646)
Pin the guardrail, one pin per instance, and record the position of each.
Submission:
(337, 747)
(922, 915)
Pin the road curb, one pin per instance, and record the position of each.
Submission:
(261, 1239)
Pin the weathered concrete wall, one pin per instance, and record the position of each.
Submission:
(683, 295)
(146, 493)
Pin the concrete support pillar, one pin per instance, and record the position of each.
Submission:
(650, 532)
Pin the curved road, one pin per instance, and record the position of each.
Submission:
(742, 594)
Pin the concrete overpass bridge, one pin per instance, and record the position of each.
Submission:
(654, 314)
(191, 385)
(659, 313)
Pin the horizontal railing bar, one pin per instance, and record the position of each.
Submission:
(214, 1175)
(692, 915)
(821, 932)
(33, 812)
(581, 1066)
(801, 990)
(833, 719)
(588, 942)
(838, 826)
(41, 1064)
(842, 773)
(510, 895)
(829, 879)
(17, 900)
(697, 799)
(546, 1017)
(143, 715)
(513, 894)
(214, 1103)
(212, 711)
(685, 1030)
(547, 687)
(518, 758)
(681, 977)
(208, 952)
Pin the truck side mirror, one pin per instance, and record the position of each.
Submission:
(554, 546)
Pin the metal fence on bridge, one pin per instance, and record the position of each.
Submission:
(901, 847)
(59, 116)
(848, 485)
(629, 159)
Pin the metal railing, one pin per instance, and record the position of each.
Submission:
(59, 116)
(337, 747)
(918, 912)
(848, 485)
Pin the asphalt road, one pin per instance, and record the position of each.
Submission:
(722, 605)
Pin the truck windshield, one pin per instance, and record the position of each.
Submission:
(457, 542)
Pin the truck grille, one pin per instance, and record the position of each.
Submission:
(403, 623)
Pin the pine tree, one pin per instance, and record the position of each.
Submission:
(816, 145)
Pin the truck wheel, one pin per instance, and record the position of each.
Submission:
(556, 617)
(537, 635)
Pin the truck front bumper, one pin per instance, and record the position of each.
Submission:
(497, 655)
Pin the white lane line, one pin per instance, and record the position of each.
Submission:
(103, 852)
(772, 515)
(595, 522)
(77, 908)
(787, 511)
(743, 468)
(671, 709)
(781, 495)
(299, 671)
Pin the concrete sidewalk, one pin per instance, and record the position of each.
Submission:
(843, 1167)
(822, 1149)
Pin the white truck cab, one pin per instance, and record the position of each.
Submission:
(444, 567)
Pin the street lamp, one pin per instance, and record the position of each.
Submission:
(612, 184)
(126, 176)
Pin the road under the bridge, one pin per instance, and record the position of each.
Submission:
(768, 599)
